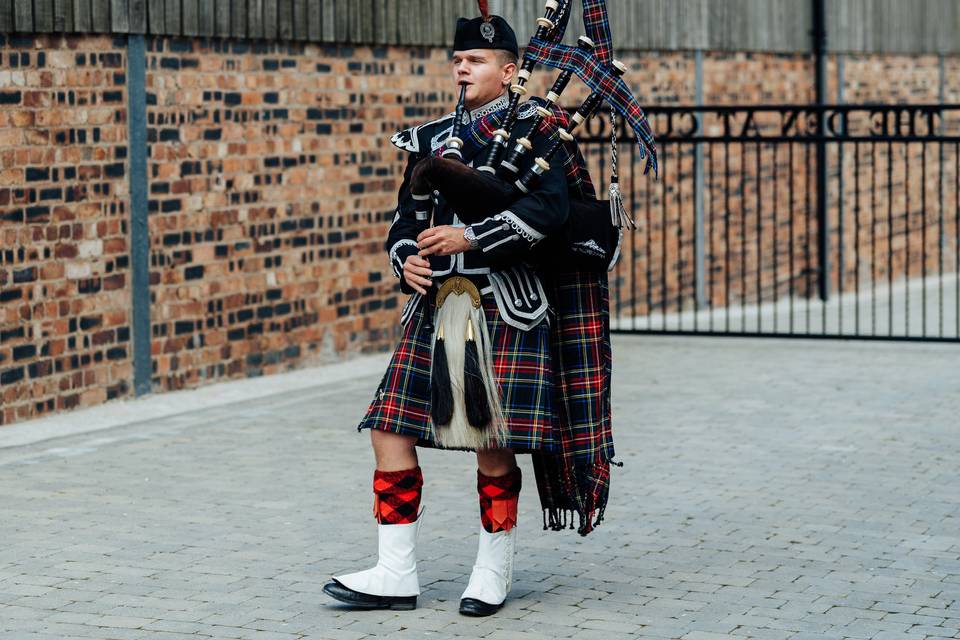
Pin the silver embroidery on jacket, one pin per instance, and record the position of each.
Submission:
(517, 310)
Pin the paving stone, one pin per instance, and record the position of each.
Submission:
(772, 489)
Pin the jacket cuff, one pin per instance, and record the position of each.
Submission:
(502, 228)
(399, 253)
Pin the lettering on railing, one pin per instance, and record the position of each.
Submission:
(838, 123)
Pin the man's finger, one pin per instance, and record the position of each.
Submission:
(412, 277)
(415, 280)
(421, 279)
(409, 273)
(436, 250)
(429, 240)
(419, 270)
(426, 233)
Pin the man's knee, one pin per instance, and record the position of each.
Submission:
(393, 450)
(390, 440)
(496, 462)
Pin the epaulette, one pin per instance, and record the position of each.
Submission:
(418, 137)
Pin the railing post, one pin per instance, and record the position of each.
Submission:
(823, 209)
(699, 237)
(841, 201)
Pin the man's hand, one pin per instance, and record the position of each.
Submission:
(416, 271)
(443, 240)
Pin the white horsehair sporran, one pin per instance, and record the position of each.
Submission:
(466, 407)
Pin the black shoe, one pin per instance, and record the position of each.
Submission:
(338, 591)
(474, 607)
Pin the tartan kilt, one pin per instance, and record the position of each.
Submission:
(521, 366)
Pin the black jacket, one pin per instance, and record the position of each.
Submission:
(505, 239)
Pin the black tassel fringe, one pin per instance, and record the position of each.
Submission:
(474, 393)
(560, 519)
(441, 392)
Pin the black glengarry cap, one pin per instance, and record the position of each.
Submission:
(474, 33)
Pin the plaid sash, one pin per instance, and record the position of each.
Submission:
(597, 24)
(594, 69)
(599, 78)
(577, 480)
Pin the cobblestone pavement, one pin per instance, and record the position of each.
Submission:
(772, 489)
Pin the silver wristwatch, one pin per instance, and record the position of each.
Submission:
(471, 237)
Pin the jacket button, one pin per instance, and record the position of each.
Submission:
(518, 302)
(533, 296)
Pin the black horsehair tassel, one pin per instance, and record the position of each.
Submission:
(474, 392)
(441, 393)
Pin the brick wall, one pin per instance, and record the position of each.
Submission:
(270, 189)
(271, 186)
(64, 263)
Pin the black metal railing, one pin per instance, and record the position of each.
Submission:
(745, 234)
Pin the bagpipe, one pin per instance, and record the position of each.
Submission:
(591, 237)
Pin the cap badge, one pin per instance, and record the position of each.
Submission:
(487, 31)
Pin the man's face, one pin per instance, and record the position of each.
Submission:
(481, 71)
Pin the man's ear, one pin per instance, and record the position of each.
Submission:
(509, 70)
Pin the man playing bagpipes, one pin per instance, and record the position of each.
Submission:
(504, 248)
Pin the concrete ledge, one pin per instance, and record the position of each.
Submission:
(160, 405)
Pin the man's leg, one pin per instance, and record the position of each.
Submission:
(498, 488)
(394, 452)
(496, 462)
(397, 488)
(397, 481)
